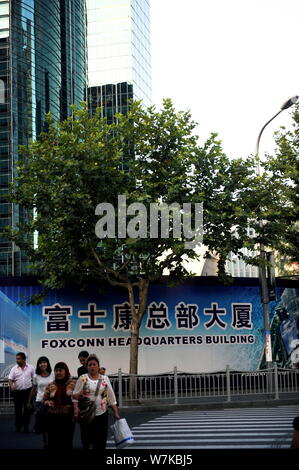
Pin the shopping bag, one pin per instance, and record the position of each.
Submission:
(122, 433)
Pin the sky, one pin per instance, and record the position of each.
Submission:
(232, 63)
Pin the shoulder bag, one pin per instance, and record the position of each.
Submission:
(87, 407)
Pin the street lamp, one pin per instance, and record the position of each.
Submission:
(263, 254)
(284, 106)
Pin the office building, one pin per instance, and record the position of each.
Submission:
(237, 267)
(119, 58)
(42, 68)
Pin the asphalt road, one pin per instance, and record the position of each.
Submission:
(180, 439)
(9, 439)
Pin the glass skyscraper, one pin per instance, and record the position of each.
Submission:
(42, 68)
(119, 57)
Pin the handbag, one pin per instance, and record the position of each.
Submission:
(87, 407)
(122, 433)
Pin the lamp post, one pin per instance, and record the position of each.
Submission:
(263, 255)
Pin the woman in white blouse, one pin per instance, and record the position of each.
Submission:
(94, 434)
(42, 377)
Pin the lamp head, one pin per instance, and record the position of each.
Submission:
(289, 103)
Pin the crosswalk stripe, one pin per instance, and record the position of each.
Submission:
(136, 433)
(232, 420)
(146, 441)
(219, 447)
(217, 429)
(209, 427)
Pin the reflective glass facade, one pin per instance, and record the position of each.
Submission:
(42, 68)
(111, 98)
(118, 39)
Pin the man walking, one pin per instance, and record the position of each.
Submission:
(83, 355)
(20, 384)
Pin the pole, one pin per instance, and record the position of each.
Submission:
(258, 142)
(262, 268)
(265, 301)
(120, 389)
(175, 385)
(263, 256)
(228, 390)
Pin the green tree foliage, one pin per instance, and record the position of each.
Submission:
(284, 177)
(146, 156)
(149, 157)
(246, 210)
(222, 184)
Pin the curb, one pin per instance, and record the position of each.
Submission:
(142, 407)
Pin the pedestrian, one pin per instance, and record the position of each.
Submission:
(42, 377)
(20, 384)
(83, 355)
(58, 402)
(295, 439)
(94, 434)
(102, 370)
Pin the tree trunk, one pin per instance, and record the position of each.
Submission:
(221, 266)
(137, 315)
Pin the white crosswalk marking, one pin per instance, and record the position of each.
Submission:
(235, 428)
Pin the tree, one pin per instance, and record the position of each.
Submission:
(93, 193)
(271, 199)
(284, 170)
(222, 184)
(243, 209)
(145, 157)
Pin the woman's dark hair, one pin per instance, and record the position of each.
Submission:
(43, 359)
(62, 365)
(92, 357)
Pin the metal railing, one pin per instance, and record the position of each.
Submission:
(6, 398)
(182, 387)
(179, 387)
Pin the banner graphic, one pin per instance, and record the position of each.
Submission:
(197, 328)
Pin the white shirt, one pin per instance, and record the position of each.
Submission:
(87, 387)
(22, 377)
(41, 382)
